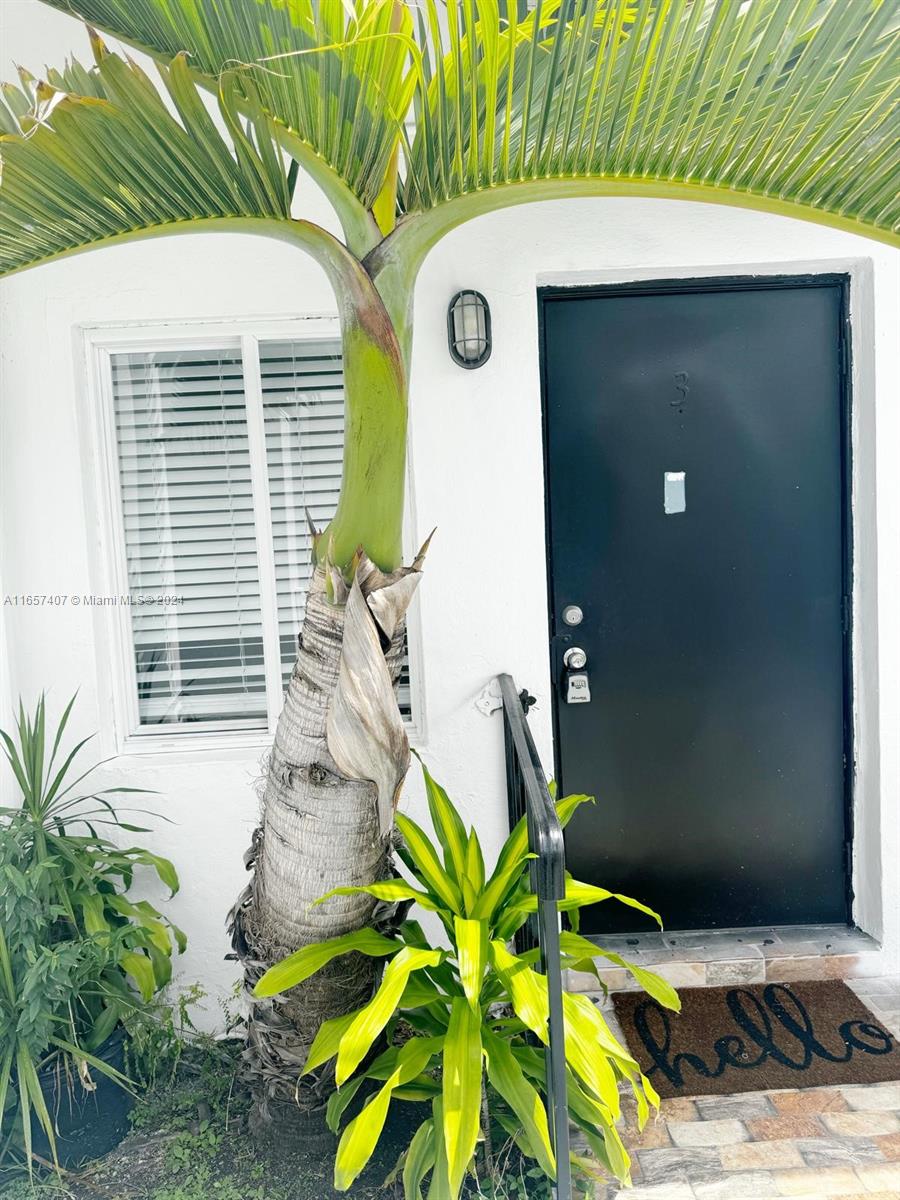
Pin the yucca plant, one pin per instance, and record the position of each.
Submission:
(478, 1012)
(413, 119)
(59, 823)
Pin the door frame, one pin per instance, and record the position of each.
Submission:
(843, 280)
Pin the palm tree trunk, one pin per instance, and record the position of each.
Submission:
(321, 828)
(340, 754)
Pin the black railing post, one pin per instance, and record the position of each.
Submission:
(555, 1053)
(529, 796)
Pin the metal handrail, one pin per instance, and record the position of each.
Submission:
(529, 796)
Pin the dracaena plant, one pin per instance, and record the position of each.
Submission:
(77, 954)
(477, 1010)
(412, 119)
(54, 985)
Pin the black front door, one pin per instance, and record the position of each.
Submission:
(696, 464)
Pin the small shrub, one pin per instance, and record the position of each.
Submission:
(479, 1013)
(78, 956)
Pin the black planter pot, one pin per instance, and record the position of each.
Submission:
(89, 1124)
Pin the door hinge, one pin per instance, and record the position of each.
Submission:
(846, 613)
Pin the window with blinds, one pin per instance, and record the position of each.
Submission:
(187, 480)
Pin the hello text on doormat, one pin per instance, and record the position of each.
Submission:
(759, 1037)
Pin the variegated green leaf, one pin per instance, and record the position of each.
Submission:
(448, 827)
(659, 988)
(143, 916)
(92, 908)
(471, 939)
(607, 1148)
(645, 1095)
(474, 874)
(370, 1020)
(583, 1103)
(474, 868)
(461, 1095)
(513, 855)
(306, 961)
(427, 865)
(327, 1040)
(578, 895)
(387, 889)
(361, 1135)
(591, 1050)
(439, 1187)
(419, 1160)
(601, 1033)
(469, 896)
(507, 1077)
(527, 989)
(419, 991)
(515, 847)
(339, 1100)
(161, 963)
(423, 1087)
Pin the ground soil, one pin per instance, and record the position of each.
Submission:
(192, 1141)
(245, 1167)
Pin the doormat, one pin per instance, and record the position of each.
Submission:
(757, 1037)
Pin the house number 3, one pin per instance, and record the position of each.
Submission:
(681, 386)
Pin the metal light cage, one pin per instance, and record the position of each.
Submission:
(469, 329)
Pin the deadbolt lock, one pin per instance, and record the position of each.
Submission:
(572, 614)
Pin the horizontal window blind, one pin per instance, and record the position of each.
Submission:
(186, 476)
(187, 506)
(303, 410)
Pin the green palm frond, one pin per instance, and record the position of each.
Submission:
(334, 76)
(22, 105)
(788, 100)
(115, 162)
(789, 105)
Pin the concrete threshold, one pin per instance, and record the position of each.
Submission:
(718, 957)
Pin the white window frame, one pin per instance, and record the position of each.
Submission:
(109, 571)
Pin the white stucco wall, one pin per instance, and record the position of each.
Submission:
(477, 465)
